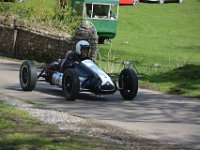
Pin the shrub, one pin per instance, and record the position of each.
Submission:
(42, 16)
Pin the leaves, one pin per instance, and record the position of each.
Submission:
(42, 15)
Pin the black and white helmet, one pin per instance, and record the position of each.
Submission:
(83, 44)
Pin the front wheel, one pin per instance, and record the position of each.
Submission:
(70, 84)
(128, 84)
(28, 75)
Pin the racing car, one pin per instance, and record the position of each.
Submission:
(78, 73)
(82, 76)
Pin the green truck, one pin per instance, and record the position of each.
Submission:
(102, 13)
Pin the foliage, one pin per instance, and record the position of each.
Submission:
(67, 18)
(43, 14)
(110, 63)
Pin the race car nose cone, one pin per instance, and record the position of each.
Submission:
(107, 83)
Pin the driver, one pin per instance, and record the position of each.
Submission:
(83, 49)
(82, 52)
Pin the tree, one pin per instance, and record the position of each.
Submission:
(63, 4)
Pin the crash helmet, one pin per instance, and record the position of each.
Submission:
(83, 48)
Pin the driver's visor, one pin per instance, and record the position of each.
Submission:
(85, 50)
(85, 47)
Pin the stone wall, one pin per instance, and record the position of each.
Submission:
(6, 41)
(40, 45)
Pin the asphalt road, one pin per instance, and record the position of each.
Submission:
(152, 114)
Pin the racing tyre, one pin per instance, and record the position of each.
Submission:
(28, 75)
(70, 84)
(128, 84)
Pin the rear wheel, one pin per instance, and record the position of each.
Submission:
(128, 84)
(28, 75)
(70, 84)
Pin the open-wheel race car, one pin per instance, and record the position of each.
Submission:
(79, 76)
(83, 76)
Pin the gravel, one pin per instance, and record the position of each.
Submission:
(91, 127)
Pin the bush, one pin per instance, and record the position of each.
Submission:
(42, 16)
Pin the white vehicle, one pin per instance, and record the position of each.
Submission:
(162, 1)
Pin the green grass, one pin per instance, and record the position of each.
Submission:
(19, 131)
(38, 105)
(164, 42)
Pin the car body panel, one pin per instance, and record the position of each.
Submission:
(127, 2)
(104, 77)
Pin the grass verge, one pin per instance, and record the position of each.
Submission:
(164, 42)
(18, 130)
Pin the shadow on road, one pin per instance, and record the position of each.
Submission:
(45, 88)
(147, 107)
